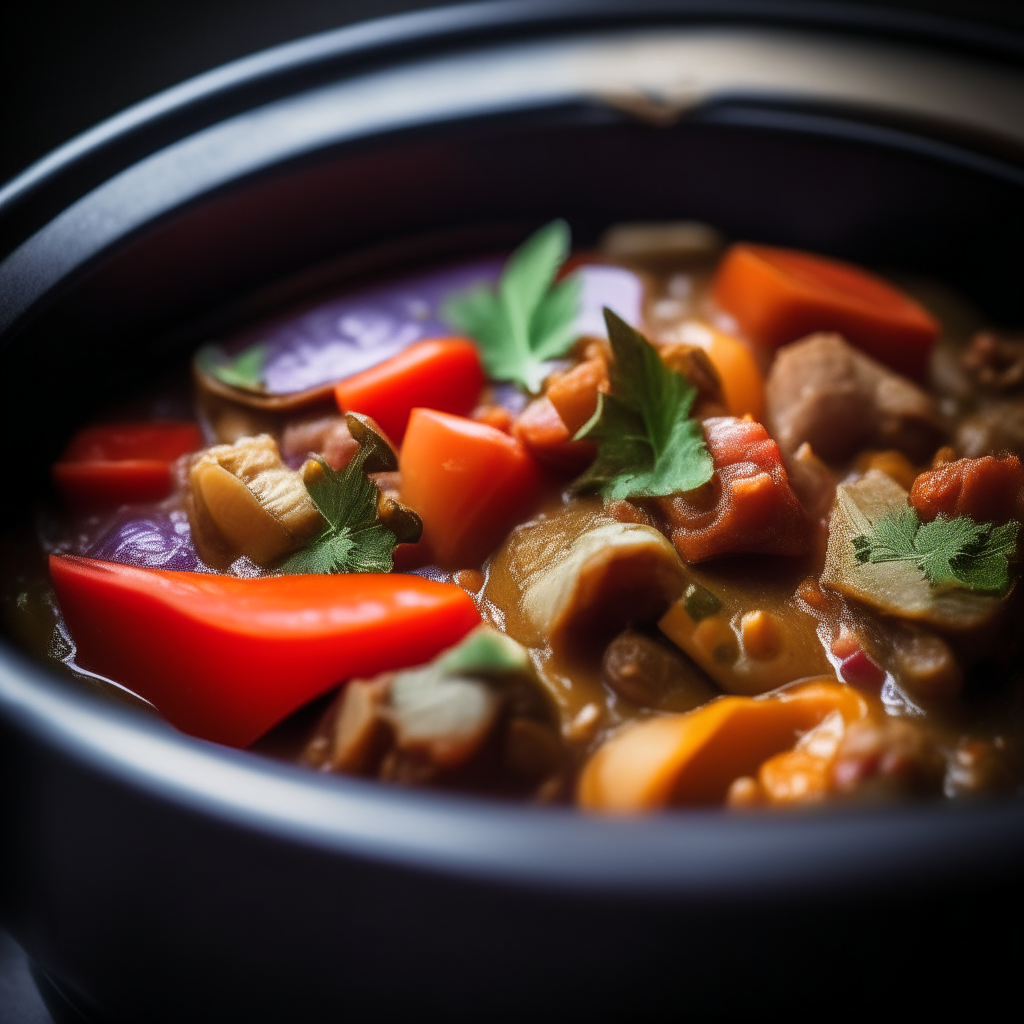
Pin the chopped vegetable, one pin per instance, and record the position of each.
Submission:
(986, 490)
(609, 576)
(421, 723)
(468, 482)
(950, 552)
(748, 506)
(743, 647)
(244, 371)
(691, 759)
(647, 443)
(443, 374)
(574, 392)
(740, 376)
(246, 501)
(531, 320)
(122, 463)
(895, 580)
(226, 658)
(540, 428)
(780, 295)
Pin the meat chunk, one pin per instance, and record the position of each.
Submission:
(891, 758)
(652, 674)
(997, 428)
(823, 391)
(986, 489)
(327, 436)
(747, 506)
(995, 362)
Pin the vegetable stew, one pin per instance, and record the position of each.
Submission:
(668, 523)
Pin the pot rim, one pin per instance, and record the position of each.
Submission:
(693, 855)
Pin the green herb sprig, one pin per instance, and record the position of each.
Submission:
(648, 445)
(244, 371)
(529, 320)
(949, 552)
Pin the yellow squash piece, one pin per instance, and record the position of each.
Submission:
(689, 760)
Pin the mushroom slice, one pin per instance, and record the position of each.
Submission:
(246, 501)
(610, 576)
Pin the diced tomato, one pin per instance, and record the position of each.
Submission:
(542, 431)
(986, 489)
(122, 463)
(225, 658)
(748, 505)
(443, 373)
(859, 670)
(468, 482)
(781, 295)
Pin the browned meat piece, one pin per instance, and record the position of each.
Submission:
(891, 758)
(651, 674)
(327, 436)
(996, 429)
(825, 392)
(995, 362)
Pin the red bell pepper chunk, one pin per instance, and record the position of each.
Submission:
(225, 658)
(443, 373)
(469, 483)
(122, 463)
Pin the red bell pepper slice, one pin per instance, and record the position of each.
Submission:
(225, 658)
(122, 463)
(443, 373)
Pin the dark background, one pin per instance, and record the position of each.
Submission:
(64, 67)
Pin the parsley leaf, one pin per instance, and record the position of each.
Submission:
(245, 371)
(949, 552)
(648, 445)
(354, 539)
(529, 320)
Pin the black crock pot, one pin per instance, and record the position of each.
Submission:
(152, 876)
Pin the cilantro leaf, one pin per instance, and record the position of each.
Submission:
(245, 371)
(354, 539)
(529, 320)
(949, 552)
(648, 445)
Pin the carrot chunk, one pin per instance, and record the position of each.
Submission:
(443, 373)
(468, 482)
(986, 489)
(574, 393)
(747, 506)
(780, 295)
(122, 463)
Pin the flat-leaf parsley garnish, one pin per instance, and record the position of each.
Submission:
(648, 445)
(949, 552)
(530, 319)
(363, 525)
